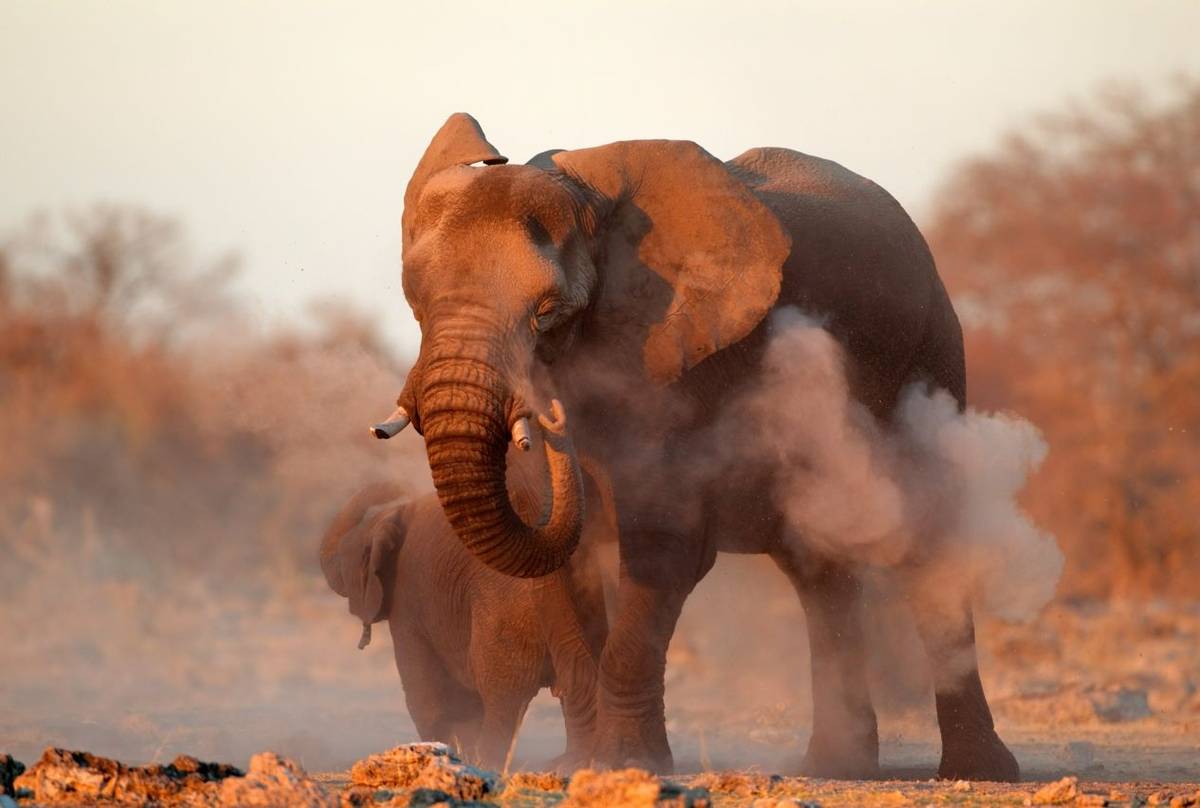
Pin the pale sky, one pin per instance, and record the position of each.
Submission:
(287, 130)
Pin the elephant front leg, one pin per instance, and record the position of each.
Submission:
(971, 748)
(631, 723)
(574, 662)
(578, 700)
(845, 737)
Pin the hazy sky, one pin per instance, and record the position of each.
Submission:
(287, 130)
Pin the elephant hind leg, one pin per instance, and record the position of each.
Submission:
(971, 748)
(502, 717)
(441, 709)
(845, 736)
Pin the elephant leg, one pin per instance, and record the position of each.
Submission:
(631, 722)
(845, 736)
(441, 709)
(971, 749)
(574, 661)
(502, 716)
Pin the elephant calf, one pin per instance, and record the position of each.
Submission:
(473, 646)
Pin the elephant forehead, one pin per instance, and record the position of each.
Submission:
(499, 260)
(519, 196)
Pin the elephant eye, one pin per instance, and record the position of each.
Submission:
(545, 315)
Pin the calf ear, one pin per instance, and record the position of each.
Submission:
(368, 558)
(460, 142)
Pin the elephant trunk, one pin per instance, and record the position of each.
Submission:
(464, 416)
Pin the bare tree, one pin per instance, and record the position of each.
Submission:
(1074, 253)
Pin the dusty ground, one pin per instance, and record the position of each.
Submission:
(1106, 692)
(430, 774)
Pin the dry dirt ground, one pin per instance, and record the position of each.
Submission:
(430, 774)
(1109, 693)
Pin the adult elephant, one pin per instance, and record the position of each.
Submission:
(634, 281)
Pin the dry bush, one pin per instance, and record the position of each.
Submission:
(1073, 253)
(163, 484)
(141, 411)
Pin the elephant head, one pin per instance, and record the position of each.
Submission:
(650, 254)
(358, 552)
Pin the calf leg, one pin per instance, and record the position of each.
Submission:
(502, 716)
(574, 662)
(441, 709)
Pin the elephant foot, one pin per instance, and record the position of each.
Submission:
(571, 761)
(842, 756)
(981, 757)
(632, 742)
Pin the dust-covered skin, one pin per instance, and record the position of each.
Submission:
(473, 646)
(636, 282)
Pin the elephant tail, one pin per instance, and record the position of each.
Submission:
(357, 553)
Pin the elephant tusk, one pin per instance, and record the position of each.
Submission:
(520, 434)
(558, 425)
(392, 426)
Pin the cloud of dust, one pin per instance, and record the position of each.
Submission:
(926, 505)
(932, 496)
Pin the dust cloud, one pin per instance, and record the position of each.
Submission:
(926, 506)
(932, 497)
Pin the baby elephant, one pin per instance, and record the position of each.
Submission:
(473, 646)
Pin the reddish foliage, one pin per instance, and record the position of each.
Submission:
(1073, 252)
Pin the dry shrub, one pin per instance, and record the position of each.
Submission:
(633, 788)
(424, 765)
(63, 776)
(534, 781)
(738, 784)
(273, 781)
(80, 778)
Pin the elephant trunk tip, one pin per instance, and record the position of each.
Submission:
(365, 639)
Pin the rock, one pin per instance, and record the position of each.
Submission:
(633, 788)
(1122, 704)
(10, 769)
(275, 782)
(65, 776)
(1062, 791)
(424, 765)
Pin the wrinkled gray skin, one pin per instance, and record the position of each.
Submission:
(473, 646)
(634, 282)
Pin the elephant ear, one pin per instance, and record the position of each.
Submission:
(367, 556)
(460, 142)
(691, 261)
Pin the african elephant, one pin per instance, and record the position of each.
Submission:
(634, 281)
(473, 646)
